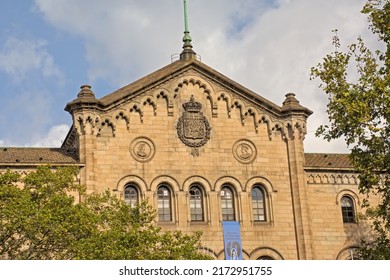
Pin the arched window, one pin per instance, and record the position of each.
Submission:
(196, 204)
(227, 204)
(131, 195)
(258, 204)
(347, 209)
(349, 253)
(164, 204)
(264, 258)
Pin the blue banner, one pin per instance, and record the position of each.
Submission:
(232, 240)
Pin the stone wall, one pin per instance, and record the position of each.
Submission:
(141, 143)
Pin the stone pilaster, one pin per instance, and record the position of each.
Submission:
(85, 112)
(295, 124)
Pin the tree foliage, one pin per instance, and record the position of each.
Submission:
(41, 217)
(357, 82)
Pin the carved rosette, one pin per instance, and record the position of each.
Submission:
(244, 151)
(192, 127)
(142, 149)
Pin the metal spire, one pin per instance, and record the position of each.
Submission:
(187, 38)
(187, 52)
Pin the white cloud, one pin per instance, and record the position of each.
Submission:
(53, 138)
(267, 46)
(28, 103)
(18, 58)
(122, 38)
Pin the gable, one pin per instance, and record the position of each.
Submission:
(177, 69)
(164, 92)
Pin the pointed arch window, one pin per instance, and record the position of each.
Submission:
(196, 204)
(227, 204)
(258, 204)
(347, 209)
(131, 195)
(164, 204)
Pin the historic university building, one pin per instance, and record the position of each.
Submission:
(203, 150)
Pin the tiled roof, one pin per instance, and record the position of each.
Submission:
(37, 156)
(327, 161)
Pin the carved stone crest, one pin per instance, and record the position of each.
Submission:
(193, 128)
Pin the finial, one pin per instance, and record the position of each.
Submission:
(85, 91)
(187, 47)
(291, 105)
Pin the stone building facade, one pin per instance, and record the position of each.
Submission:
(203, 149)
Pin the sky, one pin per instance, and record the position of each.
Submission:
(49, 48)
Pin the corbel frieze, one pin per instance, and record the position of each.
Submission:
(332, 178)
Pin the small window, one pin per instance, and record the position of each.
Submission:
(196, 204)
(258, 204)
(131, 195)
(164, 204)
(227, 204)
(347, 209)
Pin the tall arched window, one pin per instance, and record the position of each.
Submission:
(347, 209)
(196, 204)
(164, 204)
(227, 204)
(131, 195)
(258, 204)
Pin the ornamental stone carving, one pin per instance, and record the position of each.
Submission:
(193, 128)
(244, 151)
(142, 149)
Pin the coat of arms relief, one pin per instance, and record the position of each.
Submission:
(193, 128)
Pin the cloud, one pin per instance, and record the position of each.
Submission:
(267, 46)
(28, 113)
(125, 40)
(19, 58)
(53, 138)
(28, 100)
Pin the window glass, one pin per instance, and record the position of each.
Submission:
(196, 204)
(266, 258)
(258, 204)
(164, 204)
(347, 209)
(227, 204)
(131, 195)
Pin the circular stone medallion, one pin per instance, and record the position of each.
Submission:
(244, 151)
(142, 149)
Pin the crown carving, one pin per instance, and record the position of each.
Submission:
(192, 105)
